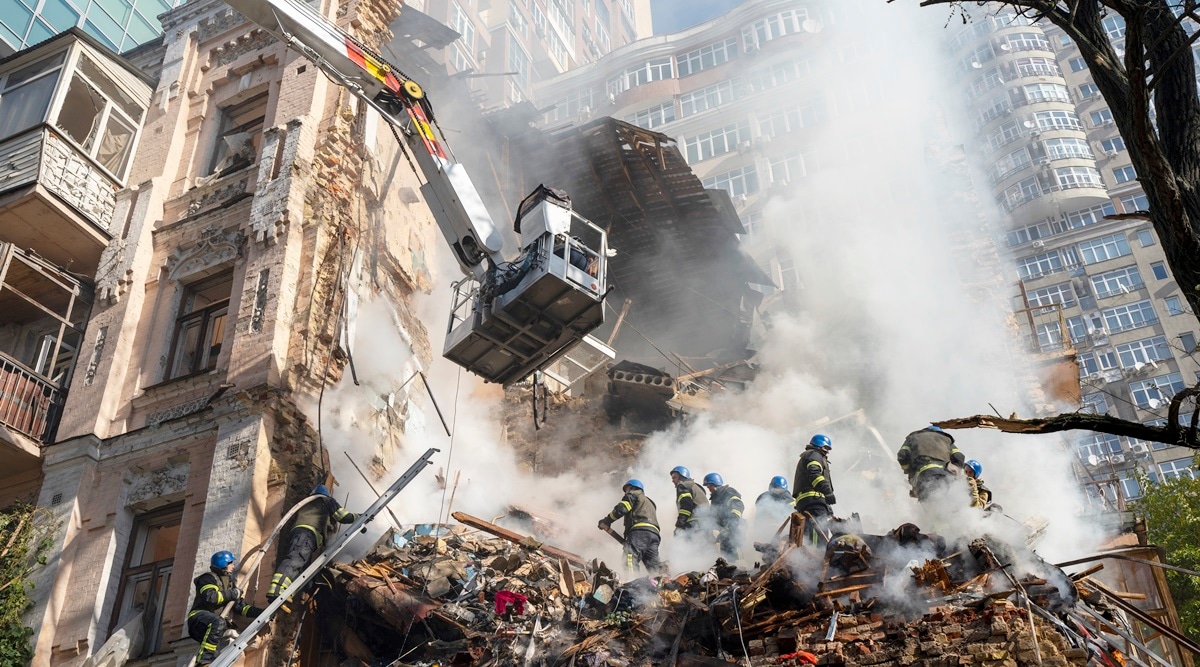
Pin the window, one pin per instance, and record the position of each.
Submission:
(1051, 120)
(517, 20)
(1112, 145)
(1124, 174)
(707, 98)
(1100, 445)
(146, 575)
(1085, 217)
(1091, 363)
(655, 69)
(975, 59)
(518, 64)
(239, 135)
(1076, 328)
(1046, 92)
(99, 117)
(1159, 269)
(1130, 486)
(787, 168)
(1025, 235)
(1067, 147)
(461, 22)
(1088, 91)
(1153, 393)
(1129, 316)
(1101, 117)
(738, 182)
(717, 142)
(764, 79)
(1078, 177)
(1013, 162)
(1027, 41)
(998, 107)
(1187, 341)
(200, 331)
(1095, 403)
(1037, 67)
(1025, 190)
(654, 116)
(1055, 294)
(25, 95)
(1142, 351)
(1039, 265)
(1120, 281)
(1077, 64)
(1049, 336)
(1174, 305)
(1145, 237)
(752, 221)
(707, 57)
(1114, 25)
(990, 79)
(1177, 469)
(773, 27)
(573, 106)
(1134, 203)
(1104, 248)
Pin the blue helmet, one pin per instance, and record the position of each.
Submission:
(934, 427)
(779, 482)
(222, 559)
(320, 490)
(821, 440)
(975, 466)
(635, 483)
(714, 478)
(682, 471)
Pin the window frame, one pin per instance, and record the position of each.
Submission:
(172, 515)
(209, 316)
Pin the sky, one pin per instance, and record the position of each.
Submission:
(675, 15)
(884, 328)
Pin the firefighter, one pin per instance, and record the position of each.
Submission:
(727, 509)
(690, 499)
(814, 487)
(215, 589)
(924, 456)
(772, 507)
(981, 496)
(641, 528)
(307, 536)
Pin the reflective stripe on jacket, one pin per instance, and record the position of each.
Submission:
(813, 480)
(638, 511)
(689, 496)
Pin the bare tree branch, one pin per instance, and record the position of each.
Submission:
(1078, 421)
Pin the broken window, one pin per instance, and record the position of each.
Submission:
(25, 95)
(200, 332)
(99, 117)
(239, 135)
(147, 573)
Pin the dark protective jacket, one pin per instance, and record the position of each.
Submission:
(813, 483)
(727, 506)
(772, 497)
(214, 590)
(689, 497)
(928, 450)
(315, 516)
(639, 511)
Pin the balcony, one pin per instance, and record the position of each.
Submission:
(70, 117)
(43, 311)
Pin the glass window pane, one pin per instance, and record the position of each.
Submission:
(142, 30)
(115, 145)
(26, 106)
(117, 9)
(110, 32)
(184, 356)
(39, 32)
(16, 17)
(92, 29)
(60, 14)
(80, 113)
(108, 88)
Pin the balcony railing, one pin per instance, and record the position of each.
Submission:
(28, 403)
(1015, 200)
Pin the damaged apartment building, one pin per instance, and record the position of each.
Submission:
(180, 228)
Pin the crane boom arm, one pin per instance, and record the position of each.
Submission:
(452, 197)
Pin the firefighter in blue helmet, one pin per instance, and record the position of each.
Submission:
(307, 536)
(215, 589)
(727, 510)
(814, 487)
(641, 528)
(690, 499)
(924, 456)
(772, 507)
(981, 496)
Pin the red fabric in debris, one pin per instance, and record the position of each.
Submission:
(505, 598)
(801, 657)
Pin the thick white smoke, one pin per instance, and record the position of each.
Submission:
(883, 322)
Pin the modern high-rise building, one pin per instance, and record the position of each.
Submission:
(1088, 287)
(119, 25)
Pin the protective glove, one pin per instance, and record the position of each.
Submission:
(603, 524)
(680, 522)
(831, 499)
(234, 593)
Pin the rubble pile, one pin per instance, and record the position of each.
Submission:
(482, 595)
